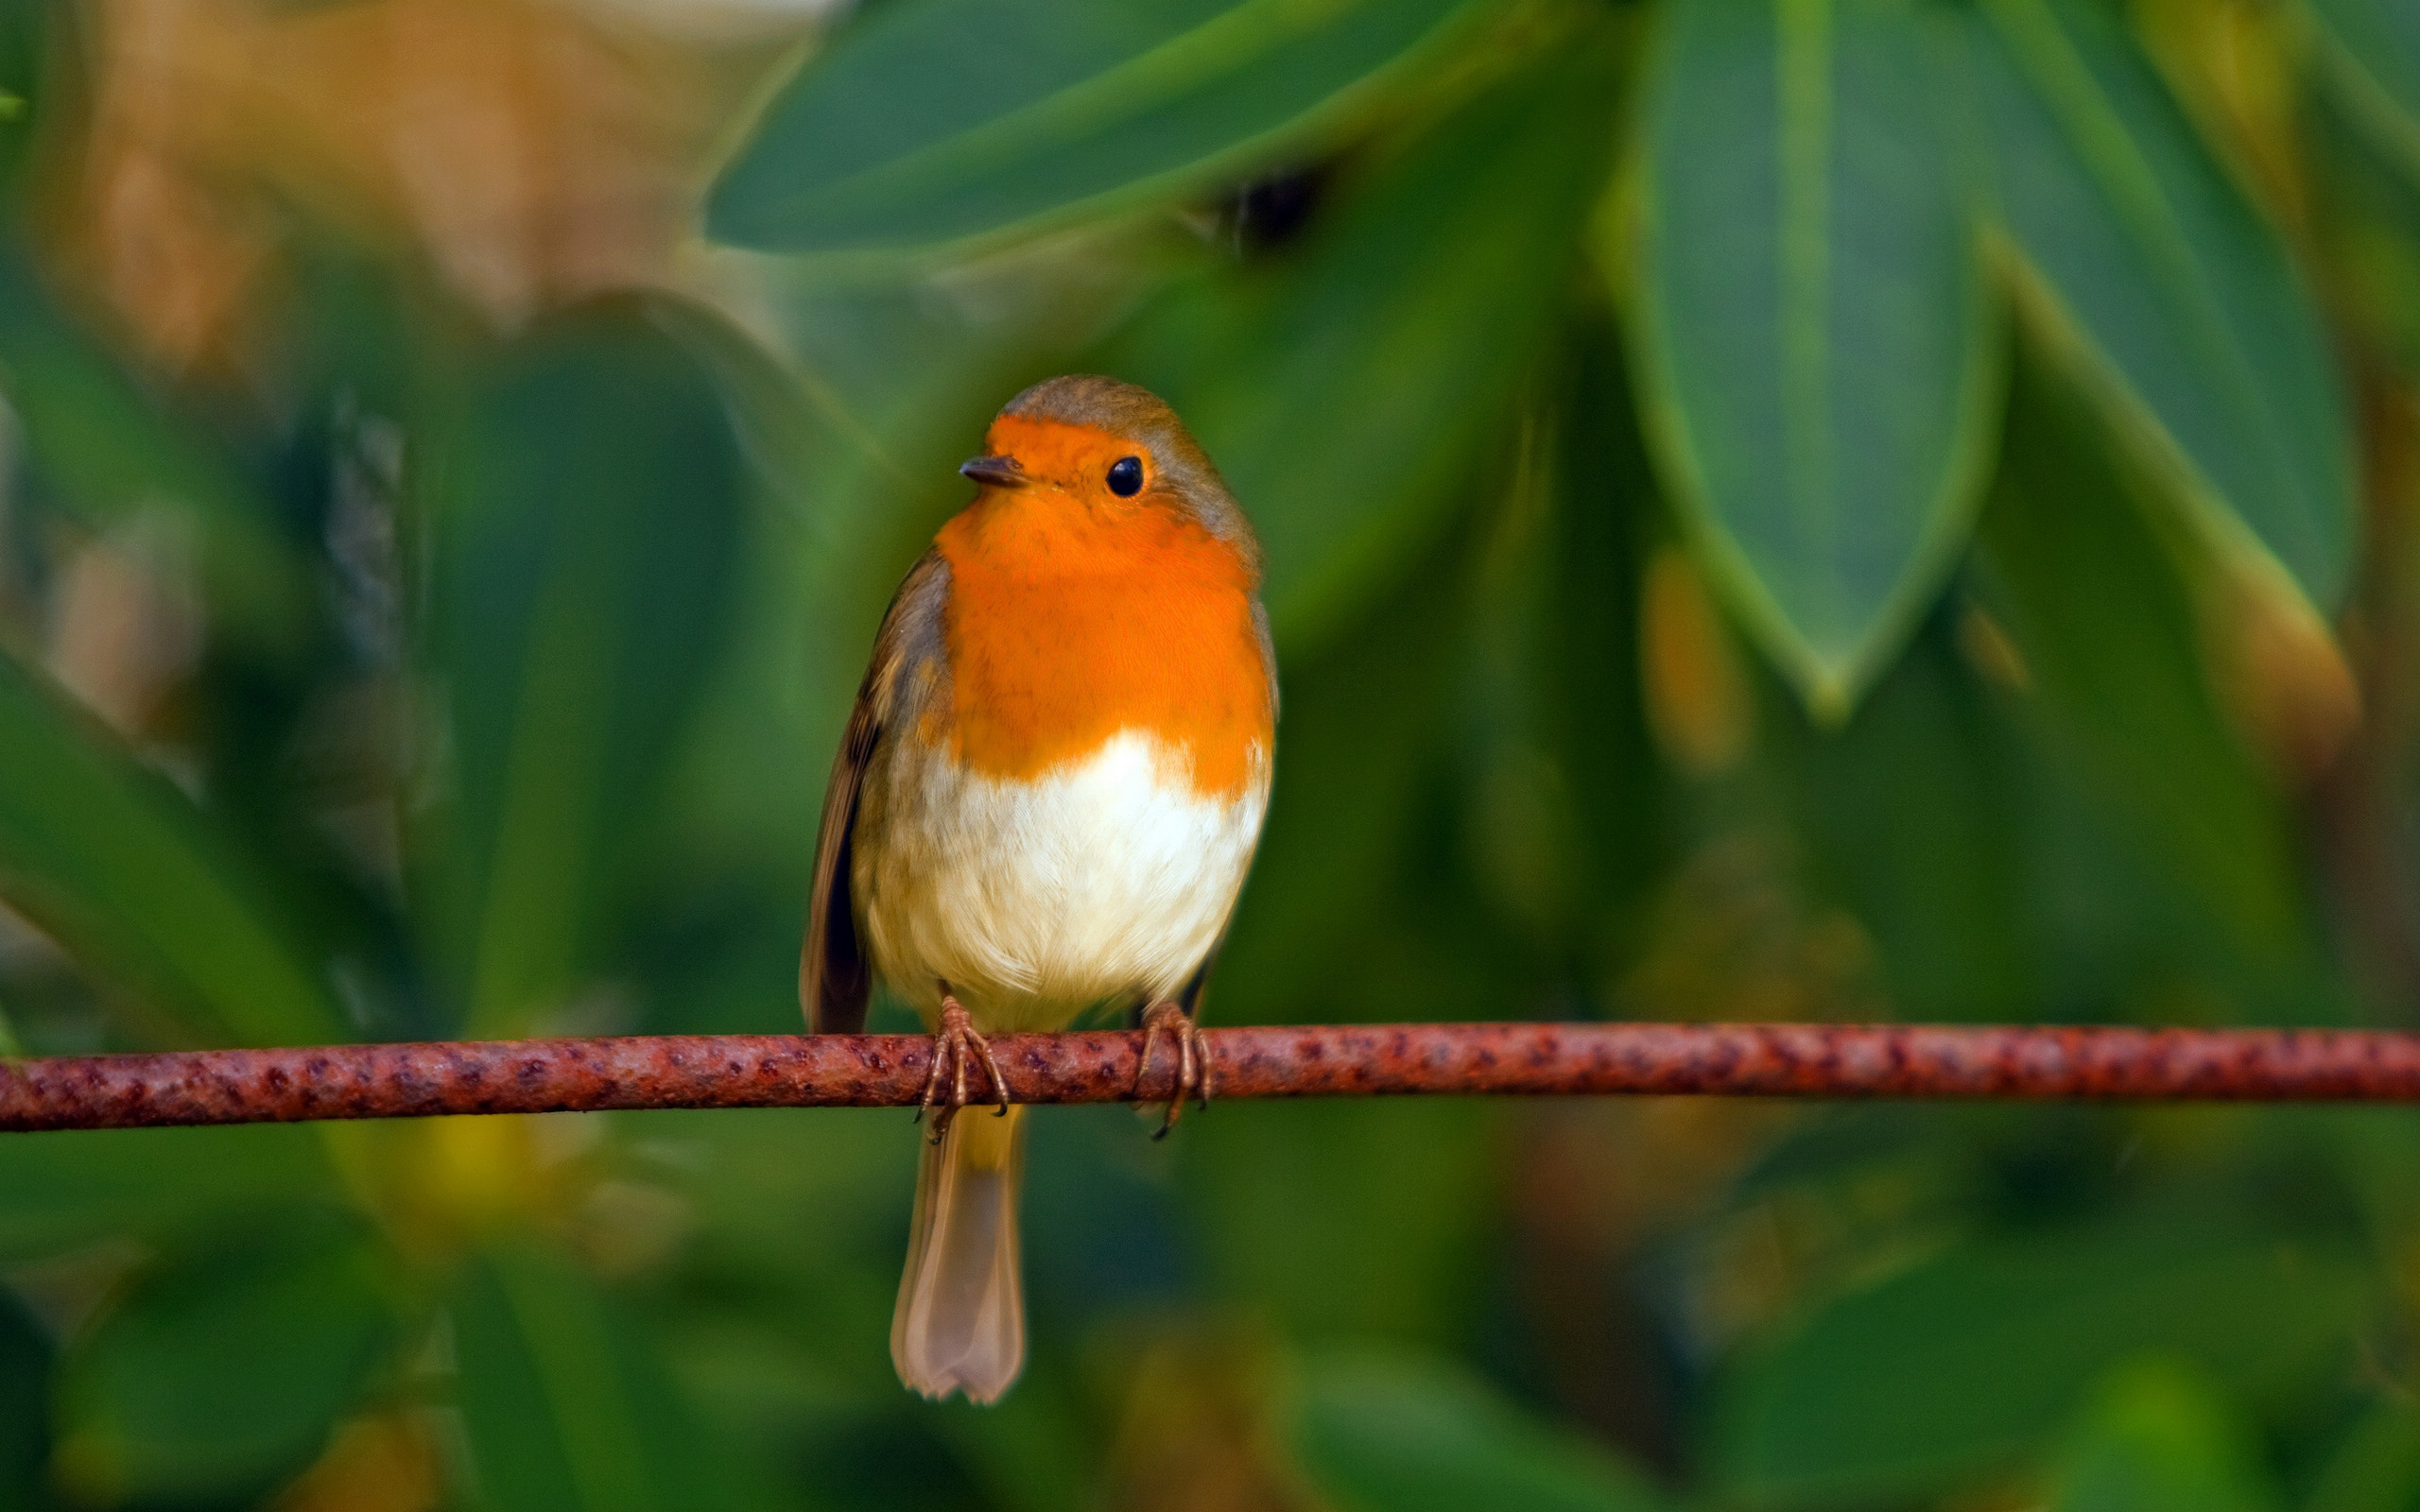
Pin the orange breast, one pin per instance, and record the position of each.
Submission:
(1065, 627)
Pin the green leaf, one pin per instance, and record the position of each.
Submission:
(767, 398)
(1819, 342)
(25, 64)
(68, 1190)
(2108, 630)
(1345, 391)
(1919, 815)
(2376, 1464)
(587, 516)
(2157, 1439)
(220, 1372)
(1400, 1431)
(140, 886)
(1345, 1221)
(1570, 817)
(1365, 714)
(1404, 1434)
(25, 1411)
(2173, 297)
(1967, 1361)
(2372, 195)
(2372, 49)
(937, 121)
(565, 1408)
(1585, 670)
(109, 447)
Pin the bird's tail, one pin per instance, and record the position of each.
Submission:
(960, 1321)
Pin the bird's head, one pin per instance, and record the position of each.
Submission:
(1107, 450)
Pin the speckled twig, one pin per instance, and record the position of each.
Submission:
(1528, 1059)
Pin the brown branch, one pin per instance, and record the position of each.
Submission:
(1528, 1059)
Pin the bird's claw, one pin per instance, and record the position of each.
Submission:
(955, 1044)
(1192, 1059)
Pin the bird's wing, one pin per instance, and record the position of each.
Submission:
(835, 979)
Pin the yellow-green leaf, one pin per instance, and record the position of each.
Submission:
(939, 121)
(2176, 302)
(1818, 340)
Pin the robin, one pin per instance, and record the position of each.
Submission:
(1044, 806)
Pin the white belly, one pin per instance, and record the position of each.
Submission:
(1104, 882)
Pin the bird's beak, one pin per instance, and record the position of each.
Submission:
(999, 472)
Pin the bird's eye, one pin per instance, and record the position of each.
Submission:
(1125, 477)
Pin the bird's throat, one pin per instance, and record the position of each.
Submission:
(1066, 626)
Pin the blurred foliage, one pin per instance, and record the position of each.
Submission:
(1776, 508)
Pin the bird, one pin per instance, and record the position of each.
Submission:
(1046, 801)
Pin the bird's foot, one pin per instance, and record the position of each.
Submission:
(955, 1044)
(1192, 1058)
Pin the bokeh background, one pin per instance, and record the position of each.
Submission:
(1776, 510)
